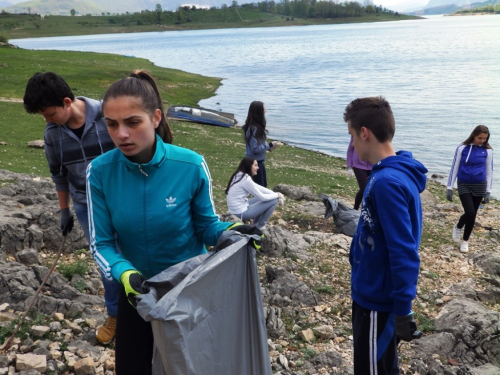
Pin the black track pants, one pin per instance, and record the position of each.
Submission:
(374, 342)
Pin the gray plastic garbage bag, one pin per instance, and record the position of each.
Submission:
(345, 218)
(207, 314)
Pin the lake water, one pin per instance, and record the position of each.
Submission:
(441, 76)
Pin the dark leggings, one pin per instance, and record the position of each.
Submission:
(471, 205)
(261, 177)
(134, 341)
(362, 178)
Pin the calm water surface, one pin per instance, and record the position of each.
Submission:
(441, 76)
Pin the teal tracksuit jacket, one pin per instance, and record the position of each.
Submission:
(157, 214)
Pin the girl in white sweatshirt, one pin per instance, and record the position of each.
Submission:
(261, 205)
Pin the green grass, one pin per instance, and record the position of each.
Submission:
(80, 267)
(223, 149)
(88, 74)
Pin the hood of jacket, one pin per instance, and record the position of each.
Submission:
(403, 161)
(93, 112)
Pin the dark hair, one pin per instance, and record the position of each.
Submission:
(256, 122)
(140, 84)
(46, 90)
(373, 113)
(245, 167)
(480, 129)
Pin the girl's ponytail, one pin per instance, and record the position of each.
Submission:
(163, 129)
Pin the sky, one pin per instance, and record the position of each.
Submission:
(400, 5)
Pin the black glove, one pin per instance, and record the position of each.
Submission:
(67, 221)
(406, 328)
(250, 230)
(449, 194)
(132, 281)
(486, 198)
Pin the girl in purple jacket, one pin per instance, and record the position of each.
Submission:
(361, 169)
(473, 168)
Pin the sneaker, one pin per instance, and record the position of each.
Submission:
(464, 247)
(457, 233)
(106, 333)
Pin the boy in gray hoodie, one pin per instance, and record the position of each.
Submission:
(76, 133)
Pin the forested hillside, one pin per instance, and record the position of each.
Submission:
(261, 14)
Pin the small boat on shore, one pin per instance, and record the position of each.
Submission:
(201, 115)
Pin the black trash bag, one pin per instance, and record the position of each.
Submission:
(207, 313)
(345, 218)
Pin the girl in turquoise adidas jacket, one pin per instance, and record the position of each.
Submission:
(149, 199)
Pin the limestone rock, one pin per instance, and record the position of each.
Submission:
(36, 144)
(307, 335)
(28, 257)
(26, 362)
(84, 366)
(284, 284)
(296, 192)
(328, 358)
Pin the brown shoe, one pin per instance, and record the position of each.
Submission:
(106, 333)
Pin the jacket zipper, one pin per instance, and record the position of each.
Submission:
(140, 169)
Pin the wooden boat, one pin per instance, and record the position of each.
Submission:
(201, 115)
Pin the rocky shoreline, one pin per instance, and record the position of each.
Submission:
(305, 283)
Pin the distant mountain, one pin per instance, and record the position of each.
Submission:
(448, 6)
(441, 3)
(63, 7)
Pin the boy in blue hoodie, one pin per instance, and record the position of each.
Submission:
(384, 250)
(76, 133)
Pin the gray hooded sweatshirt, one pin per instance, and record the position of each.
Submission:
(68, 155)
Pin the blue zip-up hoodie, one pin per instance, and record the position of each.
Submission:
(162, 212)
(472, 165)
(384, 251)
(68, 156)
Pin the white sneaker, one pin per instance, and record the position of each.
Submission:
(456, 234)
(464, 247)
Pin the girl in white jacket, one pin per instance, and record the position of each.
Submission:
(261, 205)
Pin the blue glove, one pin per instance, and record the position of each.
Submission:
(486, 198)
(132, 281)
(67, 221)
(449, 194)
(406, 328)
(250, 230)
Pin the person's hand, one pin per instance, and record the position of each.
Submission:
(406, 328)
(67, 221)
(350, 172)
(274, 145)
(449, 194)
(281, 199)
(132, 282)
(250, 230)
(486, 198)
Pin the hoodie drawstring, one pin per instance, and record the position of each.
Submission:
(98, 137)
(60, 152)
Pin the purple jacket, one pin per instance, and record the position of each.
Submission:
(353, 159)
